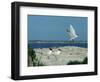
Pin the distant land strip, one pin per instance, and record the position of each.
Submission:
(54, 41)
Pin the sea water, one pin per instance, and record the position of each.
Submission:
(49, 45)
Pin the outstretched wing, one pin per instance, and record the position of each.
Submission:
(72, 33)
(72, 30)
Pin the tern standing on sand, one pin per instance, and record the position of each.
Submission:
(58, 52)
(51, 52)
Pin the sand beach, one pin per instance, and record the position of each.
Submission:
(52, 56)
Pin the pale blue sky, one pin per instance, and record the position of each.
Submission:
(54, 27)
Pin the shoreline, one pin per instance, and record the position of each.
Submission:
(57, 42)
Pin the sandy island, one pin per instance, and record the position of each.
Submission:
(67, 53)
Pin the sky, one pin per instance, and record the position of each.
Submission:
(54, 27)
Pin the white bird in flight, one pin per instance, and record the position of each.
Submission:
(72, 33)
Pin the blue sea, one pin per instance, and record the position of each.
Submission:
(48, 45)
